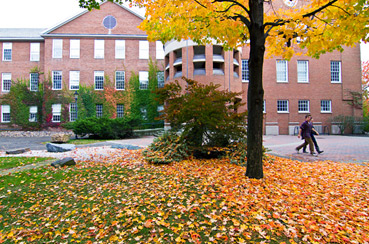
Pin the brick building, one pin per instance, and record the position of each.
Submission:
(103, 42)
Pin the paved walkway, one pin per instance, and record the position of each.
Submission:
(336, 148)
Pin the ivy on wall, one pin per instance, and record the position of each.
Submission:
(134, 100)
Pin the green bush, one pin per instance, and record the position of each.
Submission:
(105, 128)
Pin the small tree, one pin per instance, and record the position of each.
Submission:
(204, 115)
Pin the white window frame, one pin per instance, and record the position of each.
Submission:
(99, 49)
(98, 74)
(57, 48)
(283, 112)
(74, 80)
(264, 107)
(120, 110)
(117, 78)
(160, 78)
(326, 111)
(339, 71)
(6, 81)
(5, 109)
(159, 50)
(55, 75)
(245, 73)
(281, 70)
(302, 75)
(34, 52)
(99, 112)
(75, 48)
(72, 112)
(32, 80)
(33, 114)
(144, 50)
(303, 111)
(120, 49)
(144, 79)
(6, 47)
(56, 113)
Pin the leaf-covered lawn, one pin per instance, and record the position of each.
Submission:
(125, 200)
(12, 162)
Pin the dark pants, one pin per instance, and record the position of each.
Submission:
(315, 144)
(308, 141)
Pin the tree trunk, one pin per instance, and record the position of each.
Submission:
(255, 96)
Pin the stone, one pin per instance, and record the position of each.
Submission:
(126, 146)
(18, 151)
(60, 138)
(52, 147)
(68, 161)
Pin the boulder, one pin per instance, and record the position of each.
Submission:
(52, 147)
(64, 162)
(126, 146)
(18, 151)
(60, 138)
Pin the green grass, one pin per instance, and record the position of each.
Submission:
(12, 162)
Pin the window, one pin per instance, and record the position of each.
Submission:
(282, 106)
(73, 80)
(33, 81)
(57, 80)
(5, 113)
(120, 110)
(245, 70)
(326, 106)
(144, 79)
(56, 110)
(264, 106)
(144, 50)
(160, 77)
(144, 113)
(282, 71)
(119, 80)
(7, 51)
(302, 71)
(57, 48)
(74, 51)
(99, 49)
(303, 106)
(159, 50)
(33, 114)
(99, 80)
(7, 81)
(35, 52)
(99, 110)
(160, 109)
(336, 71)
(72, 112)
(120, 49)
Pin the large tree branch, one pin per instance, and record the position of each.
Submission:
(319, 9)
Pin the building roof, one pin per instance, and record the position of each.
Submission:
(18, 34)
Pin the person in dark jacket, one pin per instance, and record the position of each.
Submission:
(313, 132)
(305, 132)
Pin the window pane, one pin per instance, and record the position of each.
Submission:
(325, 106)
(35, 52)
(282, 106)
(7, 51)
(120, 49)
(159, 50)
(5, 113)
(282, 71)
(74, 48)
(119, 80)
(7, 81)
(57, 48)
(245, 70)
(120, 110)
(99, 49)
(34, 81)
(74, 80)
(335, 71)
(303, 106)
(33, 114)
(302, 71)
(160, 77)
(57, 80)
(144, 80)
(144, 50)
(56, 110)
(99, 110)
(99, 80)
(72, 112)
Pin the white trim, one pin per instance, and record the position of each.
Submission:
(120, 49)
(57, 48)
(307, 71)
(280, 61)
(144, 50)
(75, 48)
(99, 49)
(340, 71)
(34, 55)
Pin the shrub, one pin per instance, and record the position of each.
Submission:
(105, 128)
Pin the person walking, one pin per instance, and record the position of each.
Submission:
(305, 132)
(313, 132)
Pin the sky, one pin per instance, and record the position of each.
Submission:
(48, 13)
